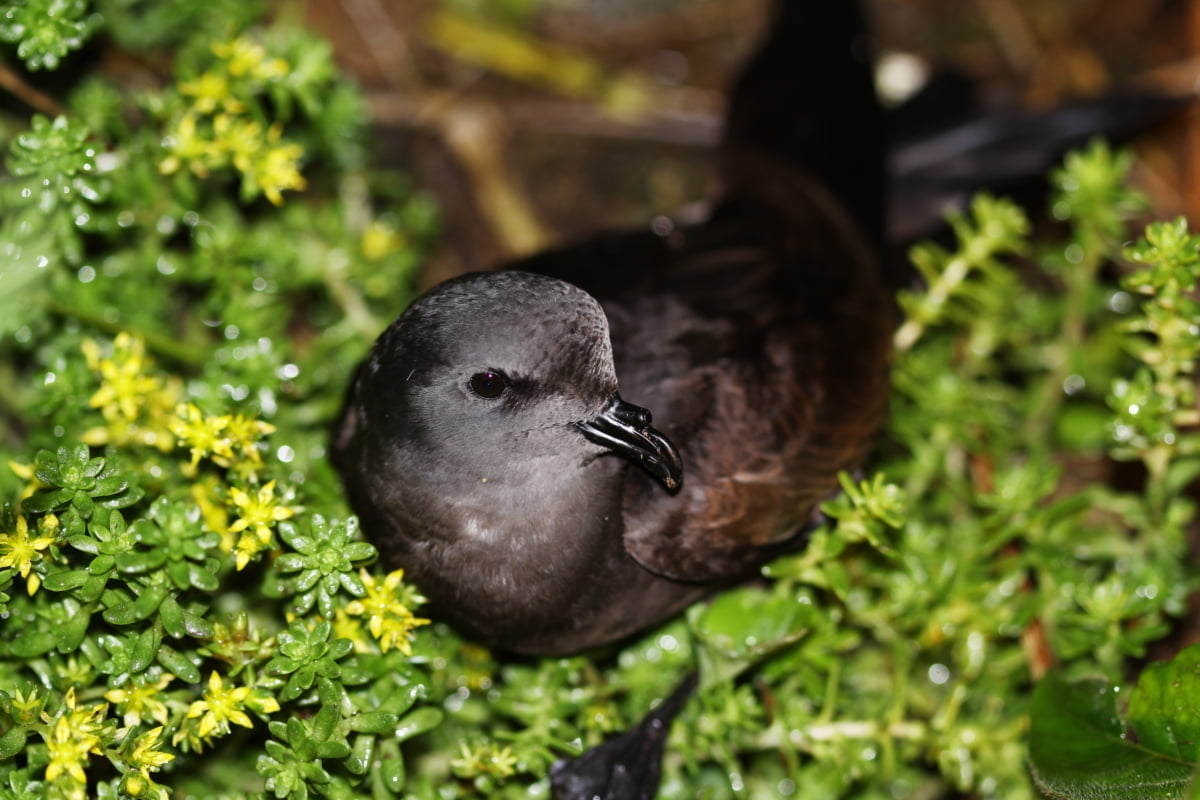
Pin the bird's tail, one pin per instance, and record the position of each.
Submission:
(807, 98)
(1008, 153)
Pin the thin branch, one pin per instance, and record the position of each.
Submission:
(17, 86)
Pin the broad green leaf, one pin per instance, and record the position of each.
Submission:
(71, 633)
(1164, 709)
(414, 722)
(31, 645)
(178, 663)
(66, 580)
(743, 626)
(13, 742)
(1079, 748)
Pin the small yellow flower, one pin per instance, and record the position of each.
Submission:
(249, 58)
(348, 627)
(134, 403)
(68, 753)
(385, 608)
(257, 514)
(265, 164)
(140, 700)
(219, 707)
(277, 170)
(19, 552)
(379, 240)
(145, 759)
(245, 432)
(187, 144)
(484, 759)
(146, 756)
(241, 138)
(204, 434)
(70, 739)
(87, 719)
(125, 383)
(211, 91)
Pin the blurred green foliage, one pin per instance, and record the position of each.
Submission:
(189, 272)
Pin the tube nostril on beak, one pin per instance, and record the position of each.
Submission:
(636, 416)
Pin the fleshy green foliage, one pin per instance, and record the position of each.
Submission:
(168, 579)
(46, 31)
(1089, 739)
(188, 274)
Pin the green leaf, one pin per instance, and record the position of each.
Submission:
(743, 626)
(144, 648)
(362, 753)
(291, 562)
(1079, 749)
(92, 588)
(172, 617)
(416, 722)
(31, 645)
(375, 722)
(178, 663)
(325, 722)
(1164, 709)
(71, 634)
(197, 626)
(333, 749)
(12, 742)
(297, 684)
(41, 502)
(137, 563)
(388, 771)
(66, 580)
(202, 578)
(359, 551)
(141, 607)
(102, 564)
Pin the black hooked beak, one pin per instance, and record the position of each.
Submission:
(625, 428)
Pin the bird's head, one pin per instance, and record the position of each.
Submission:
(493, 372)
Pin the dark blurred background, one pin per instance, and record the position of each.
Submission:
(535, 120)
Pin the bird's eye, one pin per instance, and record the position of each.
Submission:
(490, 384)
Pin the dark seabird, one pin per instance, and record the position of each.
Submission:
(565, 452)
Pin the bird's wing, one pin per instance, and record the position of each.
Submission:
(759, 339)
(763, 352)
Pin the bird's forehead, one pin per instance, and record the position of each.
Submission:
(520, 321)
